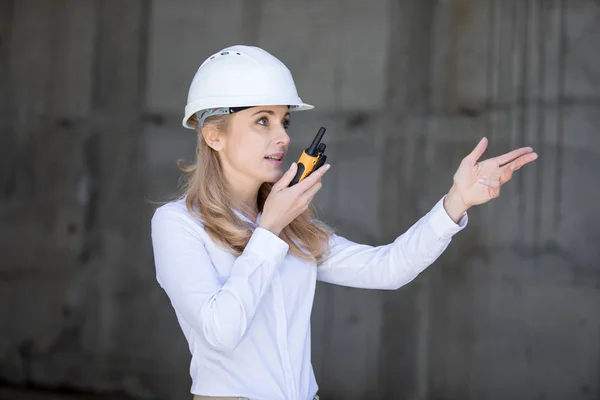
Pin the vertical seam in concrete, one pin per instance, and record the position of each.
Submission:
(559, 116)
(412, 24)
(338, 72)
(59, 15)
(389, 163)
(251, 20)
(329, 294)
(491, 37)
(409, 108)
(490, 131)
(521, 104)
(8, 177)
(139, 143)
(144, 38)
(541, 127)
(97, 41)
(423, 318)
(507, 78)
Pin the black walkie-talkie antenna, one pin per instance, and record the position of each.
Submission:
(312, 150)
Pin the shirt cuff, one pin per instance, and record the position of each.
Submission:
(267, 245)
(442, 225)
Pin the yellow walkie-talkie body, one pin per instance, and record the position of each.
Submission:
(309, 163)
(311, 159)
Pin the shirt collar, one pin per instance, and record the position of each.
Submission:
(236, 212)
(242, 216)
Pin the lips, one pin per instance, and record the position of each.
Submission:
(275, 156)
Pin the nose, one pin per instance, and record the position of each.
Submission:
(282, 137)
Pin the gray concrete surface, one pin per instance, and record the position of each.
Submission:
(19, 393)
(91, 98)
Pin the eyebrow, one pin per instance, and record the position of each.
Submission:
(287, 114)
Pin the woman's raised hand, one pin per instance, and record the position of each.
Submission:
(477, 182)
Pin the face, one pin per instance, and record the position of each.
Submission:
(254, 148)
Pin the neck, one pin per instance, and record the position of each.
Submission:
(245, 200)
(244, 197)
(243, 192)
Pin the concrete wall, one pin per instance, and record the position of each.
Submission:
(91, 98)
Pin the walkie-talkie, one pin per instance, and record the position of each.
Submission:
(311, 159)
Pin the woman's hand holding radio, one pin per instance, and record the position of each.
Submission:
(285, 203)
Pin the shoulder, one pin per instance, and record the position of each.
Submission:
(175, 213)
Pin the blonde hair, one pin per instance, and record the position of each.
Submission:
(207, 199)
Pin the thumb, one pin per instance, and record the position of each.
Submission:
(478, 151)
(285, 180)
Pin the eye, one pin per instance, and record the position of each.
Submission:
(262, 119)
(286, 124)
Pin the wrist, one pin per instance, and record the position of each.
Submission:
(454, 205)
(274, 230)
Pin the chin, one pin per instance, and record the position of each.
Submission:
(272, 177)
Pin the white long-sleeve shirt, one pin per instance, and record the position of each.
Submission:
(247, 318)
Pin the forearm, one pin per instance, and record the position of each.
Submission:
(228, 313)
(394, 265)
(219, 311)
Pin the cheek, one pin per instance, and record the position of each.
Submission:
(247, 150)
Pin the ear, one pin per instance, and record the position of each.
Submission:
(213, 139)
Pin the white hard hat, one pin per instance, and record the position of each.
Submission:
(242, 76)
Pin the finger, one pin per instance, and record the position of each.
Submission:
(478, 150)
(509, 169)
(307, 183)
(286, 179)
(521, 161)
(311, 192)
(508, 157)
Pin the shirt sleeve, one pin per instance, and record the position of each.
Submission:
(393, 265)
(221, 313)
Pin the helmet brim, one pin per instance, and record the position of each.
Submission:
(191, 109)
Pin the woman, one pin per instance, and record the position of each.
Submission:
(240, 252)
